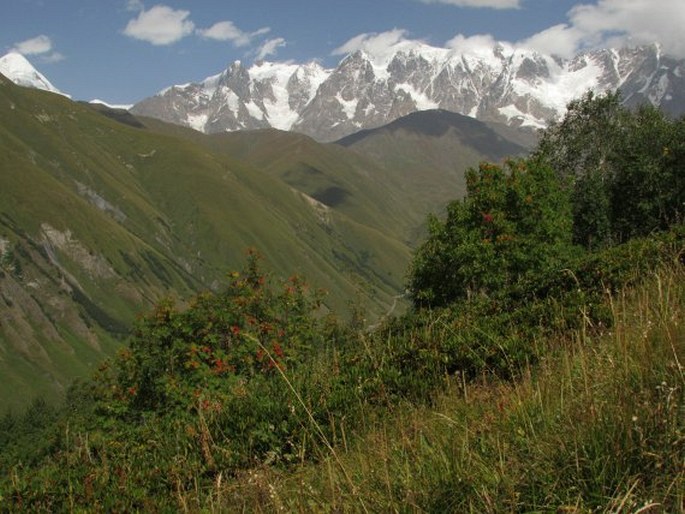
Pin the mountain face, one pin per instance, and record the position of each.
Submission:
(19, 70)
(101, 215)
(513, 86)
(426, 153)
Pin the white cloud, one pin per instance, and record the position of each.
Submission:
(490, 4)
(472, 44)
(562, 40)
(161, 25)
(227, 31)
(39, 45)
(34, 46)
(373, 43)
(381, 48)
(606, 24)
(270, 47)
(616, 23)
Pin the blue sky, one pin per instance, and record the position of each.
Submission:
(124, 50)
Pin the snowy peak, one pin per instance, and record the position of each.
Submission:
(19, 70)
(264, 95)
(373, 86)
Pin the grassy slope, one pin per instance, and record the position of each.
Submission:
(100, 218)
(388, 178)
(341, 179)
(426, 154)
(598, 426)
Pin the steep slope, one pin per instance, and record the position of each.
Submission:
(366, 90)
(101, 217)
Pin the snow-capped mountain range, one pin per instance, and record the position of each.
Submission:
(496, 83)
(366, 90)
(19, 70)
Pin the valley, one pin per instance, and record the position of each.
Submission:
(104, 214)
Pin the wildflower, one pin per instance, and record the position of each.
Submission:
(277, 349)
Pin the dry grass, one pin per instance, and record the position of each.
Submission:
(598, 426)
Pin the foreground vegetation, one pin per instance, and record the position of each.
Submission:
(540, 369)
(597, 426)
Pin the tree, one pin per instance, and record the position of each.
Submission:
(591, 210)
(514, 222)
(647, 174)
(625, 167)
(586, 138)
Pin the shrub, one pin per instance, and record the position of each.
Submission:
(514, 223)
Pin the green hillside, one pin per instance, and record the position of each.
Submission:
(388, 178)
(99, 218)
(361, 188)
(427, 152)
(102, 214)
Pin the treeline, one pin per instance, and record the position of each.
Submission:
(255, 376)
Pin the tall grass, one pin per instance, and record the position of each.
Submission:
(596, 426)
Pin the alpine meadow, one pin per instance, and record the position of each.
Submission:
(434, 289)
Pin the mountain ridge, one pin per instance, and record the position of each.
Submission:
(500, 84)
(436, 123)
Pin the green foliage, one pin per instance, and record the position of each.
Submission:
(504, 333)
(586, 138)
(597, 427)
(591, 211)
(648, 182)
(27, 436)
(514, 223)
(198, 391)
(196, 358)
(627, 166)
(196, 396)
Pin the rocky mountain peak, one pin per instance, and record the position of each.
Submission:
(370, 88)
